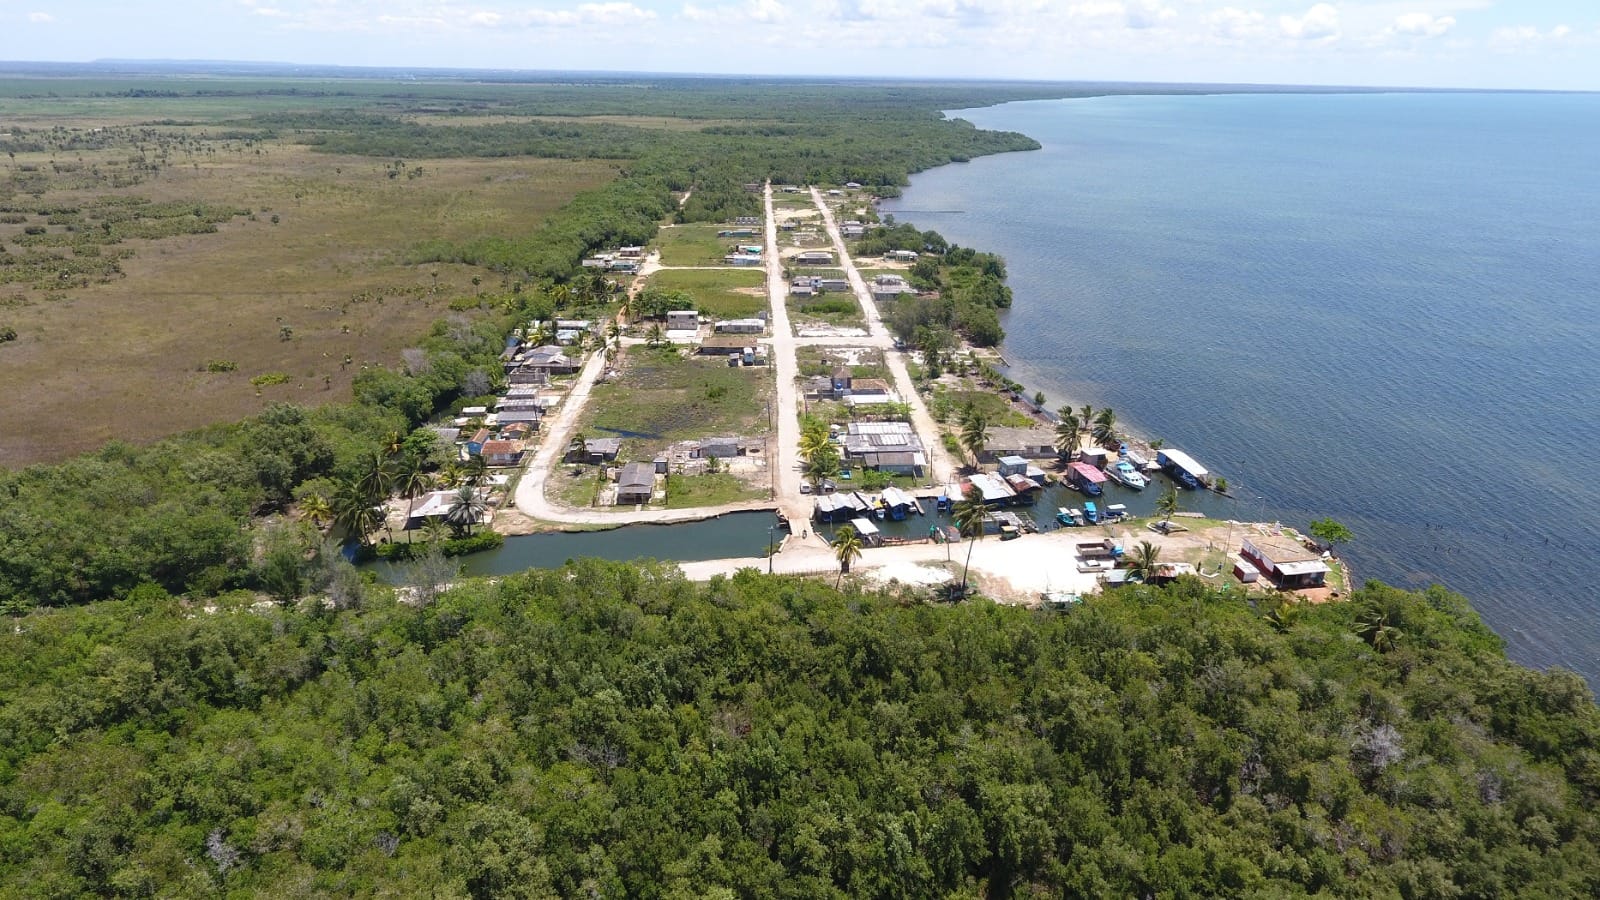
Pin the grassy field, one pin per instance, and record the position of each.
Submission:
(718, 293)
(833, 309)
(947, 406)
(684, 491)
(696, 245)
(662, 397)
(307, 281)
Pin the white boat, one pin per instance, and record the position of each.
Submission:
(1124, 472)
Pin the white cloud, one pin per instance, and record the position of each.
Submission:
(1523, 37)
(40, 18)
(1147, 14)
(269, 12)
(584, 14)
(1320, 23)
(1233, 24)
(1423, 25)
(765, 12)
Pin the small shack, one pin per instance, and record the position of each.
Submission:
(1286, 562)
(870, 535)
(636, 483)
(683, 320)
(1086, 477)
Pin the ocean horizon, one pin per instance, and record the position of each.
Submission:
(1382, 308)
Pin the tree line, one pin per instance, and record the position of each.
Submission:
(611, 729)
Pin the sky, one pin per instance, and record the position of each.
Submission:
(1553, 44)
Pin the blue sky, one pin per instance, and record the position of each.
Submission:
(1446, 43)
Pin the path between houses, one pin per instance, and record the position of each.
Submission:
(941, 467)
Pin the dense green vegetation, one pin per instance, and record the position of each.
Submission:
(612, 730)
(970, 287)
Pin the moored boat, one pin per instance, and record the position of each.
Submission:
(1090, 513)
(1125, 472)
(1069, 517)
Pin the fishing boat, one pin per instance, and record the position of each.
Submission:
(1125, 472)
(1069, 517)
(1090, 513)
(1116, 512)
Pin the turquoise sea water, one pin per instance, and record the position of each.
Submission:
(1381, 308)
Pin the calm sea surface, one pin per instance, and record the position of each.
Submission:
(1380, 308)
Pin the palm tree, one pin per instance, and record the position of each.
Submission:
(974, 432)
(476, 468)
(657, 335)
(376, 478)
(1067, 433)
(614, 333)
(393, 444)
(413, 481)
(969, 514)
(1144, 559)
(814, 438)
(846, 547)
(1378, 624)
(435, 531)
(355, 511)
(316, 510)
(1105, 425)
(1167, 506)
(466, 509)
(821, 464)
(1086, 415)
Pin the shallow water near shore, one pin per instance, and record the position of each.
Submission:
(1380, 308)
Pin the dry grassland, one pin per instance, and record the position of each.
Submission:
(127, 359)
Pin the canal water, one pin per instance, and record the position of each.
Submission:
(730, 535)
(1043, 511)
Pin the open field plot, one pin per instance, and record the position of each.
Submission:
(863, 362)
(710, 489)
(696, 245)
(662, 396)
(946, 407)
(717, 293)
(833, 309)
(293, 268)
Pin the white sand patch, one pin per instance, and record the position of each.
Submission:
(908, 573)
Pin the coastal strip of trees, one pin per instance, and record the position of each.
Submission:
(613, 730)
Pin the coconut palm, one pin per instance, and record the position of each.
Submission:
(822, 464)
(814, 438)
(846, 547)
(1378, 624)
(376, 477)
(1067, 432)
(1167, 506)
(974, 432)
(1105, 426)
(435, 531)
(413, 481)
(1086, 415)
(355, 512)
(657, 335)
(1143, 559)
(466, 509)
(316, 510)
(969, 514)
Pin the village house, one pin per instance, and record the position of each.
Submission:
(723, 344)
(1028, 443)
(1285, 561)
(631, 252)
(742, 260)
(476, 442)
(547, 360)
(527, 418)
(833, 285)
(741, 326)
(901, 255)
(595, 450)
(747, 220)
(435, 504)
(813, 258)
(683, 320)
(853, 229)
(502, 452)
(804, 286)
(888, 446)
(636, 483)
